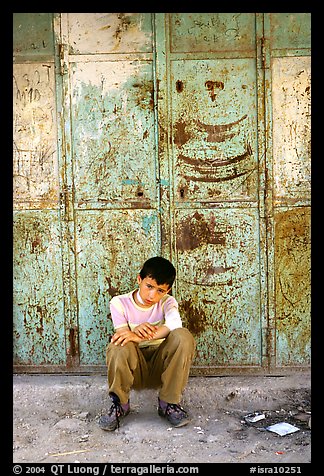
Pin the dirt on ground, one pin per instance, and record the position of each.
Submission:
(56, 421)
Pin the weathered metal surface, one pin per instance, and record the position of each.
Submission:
(291, 115)
(38, 295)
(113, 133)
(292, 286)
(291, 94)
(214, 121)
(290, 187)
(182, 134)
(290, 30)
(207, 32)
(214, 130)
(219, 284)
(38, 310)
(109, 33)
(33, 34)
(35, 167)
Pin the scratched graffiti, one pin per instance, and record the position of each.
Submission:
(212, 32)
(34, 134)
(110, 32)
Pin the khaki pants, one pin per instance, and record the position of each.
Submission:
(165, 366)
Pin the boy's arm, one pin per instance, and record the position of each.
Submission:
(161, 332)
(145, 331)
(124, 335)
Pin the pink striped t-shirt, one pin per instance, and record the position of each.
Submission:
(126, 313)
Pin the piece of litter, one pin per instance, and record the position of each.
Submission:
(68, 453)
(254, 417)
(280, 453)
(282, 428)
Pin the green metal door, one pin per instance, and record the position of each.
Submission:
(39, 323)
(114, 155)
(215, 155)
(180, 134)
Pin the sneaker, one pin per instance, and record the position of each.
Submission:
(175, 414)
(116, 413)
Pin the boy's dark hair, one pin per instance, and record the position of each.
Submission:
(160, 269)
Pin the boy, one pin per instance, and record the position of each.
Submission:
(150, 348)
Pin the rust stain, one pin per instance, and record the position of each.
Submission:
(217, 269)
(216, 162)
(72, 350)
(211, 85)
(215, 132)
(179, 86)
(122, 26)
(35, 244)
(195, 231)
(219, 132)
(180, 136)
(218, 179)
(40, 312)
(195, 318)
(111, 289)
(145, 94)
(106, 27)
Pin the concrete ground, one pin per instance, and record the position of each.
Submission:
(55, 421)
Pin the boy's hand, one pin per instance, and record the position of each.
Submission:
(146, 330)
(123, 336)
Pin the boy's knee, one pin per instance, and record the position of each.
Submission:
(182, 337)
(120, 352)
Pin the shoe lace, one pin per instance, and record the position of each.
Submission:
(117, 408)
(174, 407)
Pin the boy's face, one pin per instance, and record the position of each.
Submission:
(150, 291)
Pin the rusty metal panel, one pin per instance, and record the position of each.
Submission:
(33, 34)
(292, 286)
(38, 291)
(35, 166)
(290, 30)
(183, 134)
(113, 132)
(207, 32)
(95, 33)
(291, 113)
(215, 164)
(219, 284)
(214, 120)
(291, 95)
(111, 246)
(38, 311)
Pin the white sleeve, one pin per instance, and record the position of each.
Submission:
(173, 319)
